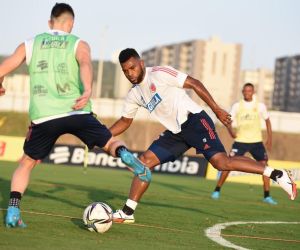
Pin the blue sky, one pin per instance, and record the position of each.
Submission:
(267, 29)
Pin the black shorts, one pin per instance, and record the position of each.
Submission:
(197, 132)
(256, 149)
(41, 137)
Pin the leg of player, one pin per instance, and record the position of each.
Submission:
(137, 190)
(216, 193)
(244, 164)
(118, 149)
(266, 186)
(267, 197)
(19, 184)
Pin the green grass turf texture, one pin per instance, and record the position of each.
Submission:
(171, 204)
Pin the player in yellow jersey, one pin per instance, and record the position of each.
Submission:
(247, 114)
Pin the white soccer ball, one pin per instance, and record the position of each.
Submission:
(97, 217)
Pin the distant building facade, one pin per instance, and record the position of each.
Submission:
(286, 96)
(213, 62)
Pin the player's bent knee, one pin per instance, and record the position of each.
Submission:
(221, 162)
(29, 162)
(149, 159)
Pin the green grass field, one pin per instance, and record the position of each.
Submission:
(173, 214)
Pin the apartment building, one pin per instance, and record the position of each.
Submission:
(286, 96)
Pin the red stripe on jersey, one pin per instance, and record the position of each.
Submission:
(163, 70)
(166, 70)
(208, 128)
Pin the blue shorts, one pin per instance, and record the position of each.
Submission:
(256, 149)
(197, 132)
(41, 137)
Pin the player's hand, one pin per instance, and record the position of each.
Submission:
(81, 101)
(223, 116)
(2, 91)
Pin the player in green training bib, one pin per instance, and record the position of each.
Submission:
(62, 83)
(61, 75)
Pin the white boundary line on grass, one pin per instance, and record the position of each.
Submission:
(214, 232)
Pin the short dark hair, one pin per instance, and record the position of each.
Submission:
(126, 54)
(61, 8)
(248, 84)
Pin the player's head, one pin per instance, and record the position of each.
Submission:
(248, 91)
(62, 17)
(132, 65)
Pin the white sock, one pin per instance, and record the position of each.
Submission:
(131, 203)
(268, 170)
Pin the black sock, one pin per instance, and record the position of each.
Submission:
(218, 189)
(127, 210)
(276, 174)
(15, 199)
(119, 149)
(266, 194)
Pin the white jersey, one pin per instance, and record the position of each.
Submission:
(262, 109)
(162, 94)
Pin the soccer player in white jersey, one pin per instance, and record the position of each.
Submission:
(160, 90)
(246, 115)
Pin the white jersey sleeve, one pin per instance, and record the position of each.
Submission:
(130, 106)
(169, 76)
(234, 110)
(28, 49)
(263, 111)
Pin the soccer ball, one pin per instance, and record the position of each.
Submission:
(97, 217)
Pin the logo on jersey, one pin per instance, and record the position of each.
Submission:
(153, 87)
(156, 99)
(39, 90)
(58, 42)
(63, 89)
(62, 68)
(43, 64)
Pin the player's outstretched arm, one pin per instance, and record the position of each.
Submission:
(11, 63)
(120, 125)
(202, 92)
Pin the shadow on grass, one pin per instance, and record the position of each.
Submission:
(78, 223)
